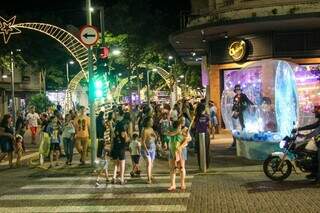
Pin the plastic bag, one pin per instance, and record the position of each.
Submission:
(44, 147)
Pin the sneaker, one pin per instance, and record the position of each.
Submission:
(97, 184)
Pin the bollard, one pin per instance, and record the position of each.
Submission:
(202, 149)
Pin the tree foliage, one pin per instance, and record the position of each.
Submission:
(40, 101)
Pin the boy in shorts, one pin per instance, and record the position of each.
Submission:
(135, 149)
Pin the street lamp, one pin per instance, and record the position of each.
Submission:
(116, 52)
(67, 68)
(12, 88)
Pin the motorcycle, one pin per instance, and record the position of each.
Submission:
(295, 155)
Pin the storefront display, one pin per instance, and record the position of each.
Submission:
(271, 86)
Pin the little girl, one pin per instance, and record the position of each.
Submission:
(19, 149)
(54, 129)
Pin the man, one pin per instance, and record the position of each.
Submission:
(316, 134)
(82, 126)
(32, 119)
(240, 104)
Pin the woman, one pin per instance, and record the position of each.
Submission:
(7, 138)
(178, 154)
(118, 151)
(202, 125)
(148, 147)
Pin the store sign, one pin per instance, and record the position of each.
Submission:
(238, 50)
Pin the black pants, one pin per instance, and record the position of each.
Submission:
(100, 147)
(241, 120)
(207, 148)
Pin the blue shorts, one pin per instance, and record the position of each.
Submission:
(151, 154)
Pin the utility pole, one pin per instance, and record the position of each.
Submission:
(12, 92)
(93, 133)
(148, 87)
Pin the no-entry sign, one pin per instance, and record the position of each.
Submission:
(89, 35)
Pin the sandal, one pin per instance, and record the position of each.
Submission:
(123, 182)
(113, 181)
(183, 188)
(172, 189)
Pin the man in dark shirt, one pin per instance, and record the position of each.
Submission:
(100, 127)
(316, 134)
(240, 104)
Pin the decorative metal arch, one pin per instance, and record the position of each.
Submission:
(162, 72)
(72, 44)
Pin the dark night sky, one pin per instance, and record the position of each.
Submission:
(73, 11)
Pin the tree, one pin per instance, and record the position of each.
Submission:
(41, 102)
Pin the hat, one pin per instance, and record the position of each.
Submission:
(316, 109)
(237, 87)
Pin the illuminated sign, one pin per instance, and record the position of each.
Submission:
(238, 50)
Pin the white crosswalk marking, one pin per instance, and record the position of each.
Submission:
(55, 193)
(92, 186)
(95, 196)
(127, 208)
(47, 179)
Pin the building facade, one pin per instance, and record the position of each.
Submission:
(235, 33)
(26, 83)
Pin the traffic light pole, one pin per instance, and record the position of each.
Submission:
(93, 133)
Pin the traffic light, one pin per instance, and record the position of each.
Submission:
(100, 82)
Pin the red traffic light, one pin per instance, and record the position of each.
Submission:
(104, 52)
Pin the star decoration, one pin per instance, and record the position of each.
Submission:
(7, 28)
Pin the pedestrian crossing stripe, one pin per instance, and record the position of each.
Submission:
(94, 196)
(167, 177)
(92, 186)
(124, 208)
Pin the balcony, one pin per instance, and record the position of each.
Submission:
(242, 9)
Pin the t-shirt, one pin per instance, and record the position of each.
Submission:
(81, 124)
(32, 119)
(174, 115)
(134, 147)
(202, 124)
(53, 129)
(68, 130)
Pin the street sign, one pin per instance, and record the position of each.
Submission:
(89, 35)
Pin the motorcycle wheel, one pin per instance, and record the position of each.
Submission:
(271, 170)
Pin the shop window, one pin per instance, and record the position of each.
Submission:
(308, 83)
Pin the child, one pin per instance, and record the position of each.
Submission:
(68, 138)
(102, 166)
(164, 128)
(135, 150)
(19, 149)
(53, 129)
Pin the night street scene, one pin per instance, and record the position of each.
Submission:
(201, 106)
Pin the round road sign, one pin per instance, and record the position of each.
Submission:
(89, 35)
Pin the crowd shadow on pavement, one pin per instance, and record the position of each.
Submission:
(269, 186)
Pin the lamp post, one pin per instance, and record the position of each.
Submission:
(12, 92)
(13, 88)
(93, 133)
(67, 68)
(148, 87)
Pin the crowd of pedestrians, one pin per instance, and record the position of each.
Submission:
(145, 131)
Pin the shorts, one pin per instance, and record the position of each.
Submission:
(54, 147)
(33, 130)
(135, 159)
(118, 154)
(151, 154)
(184, 154)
